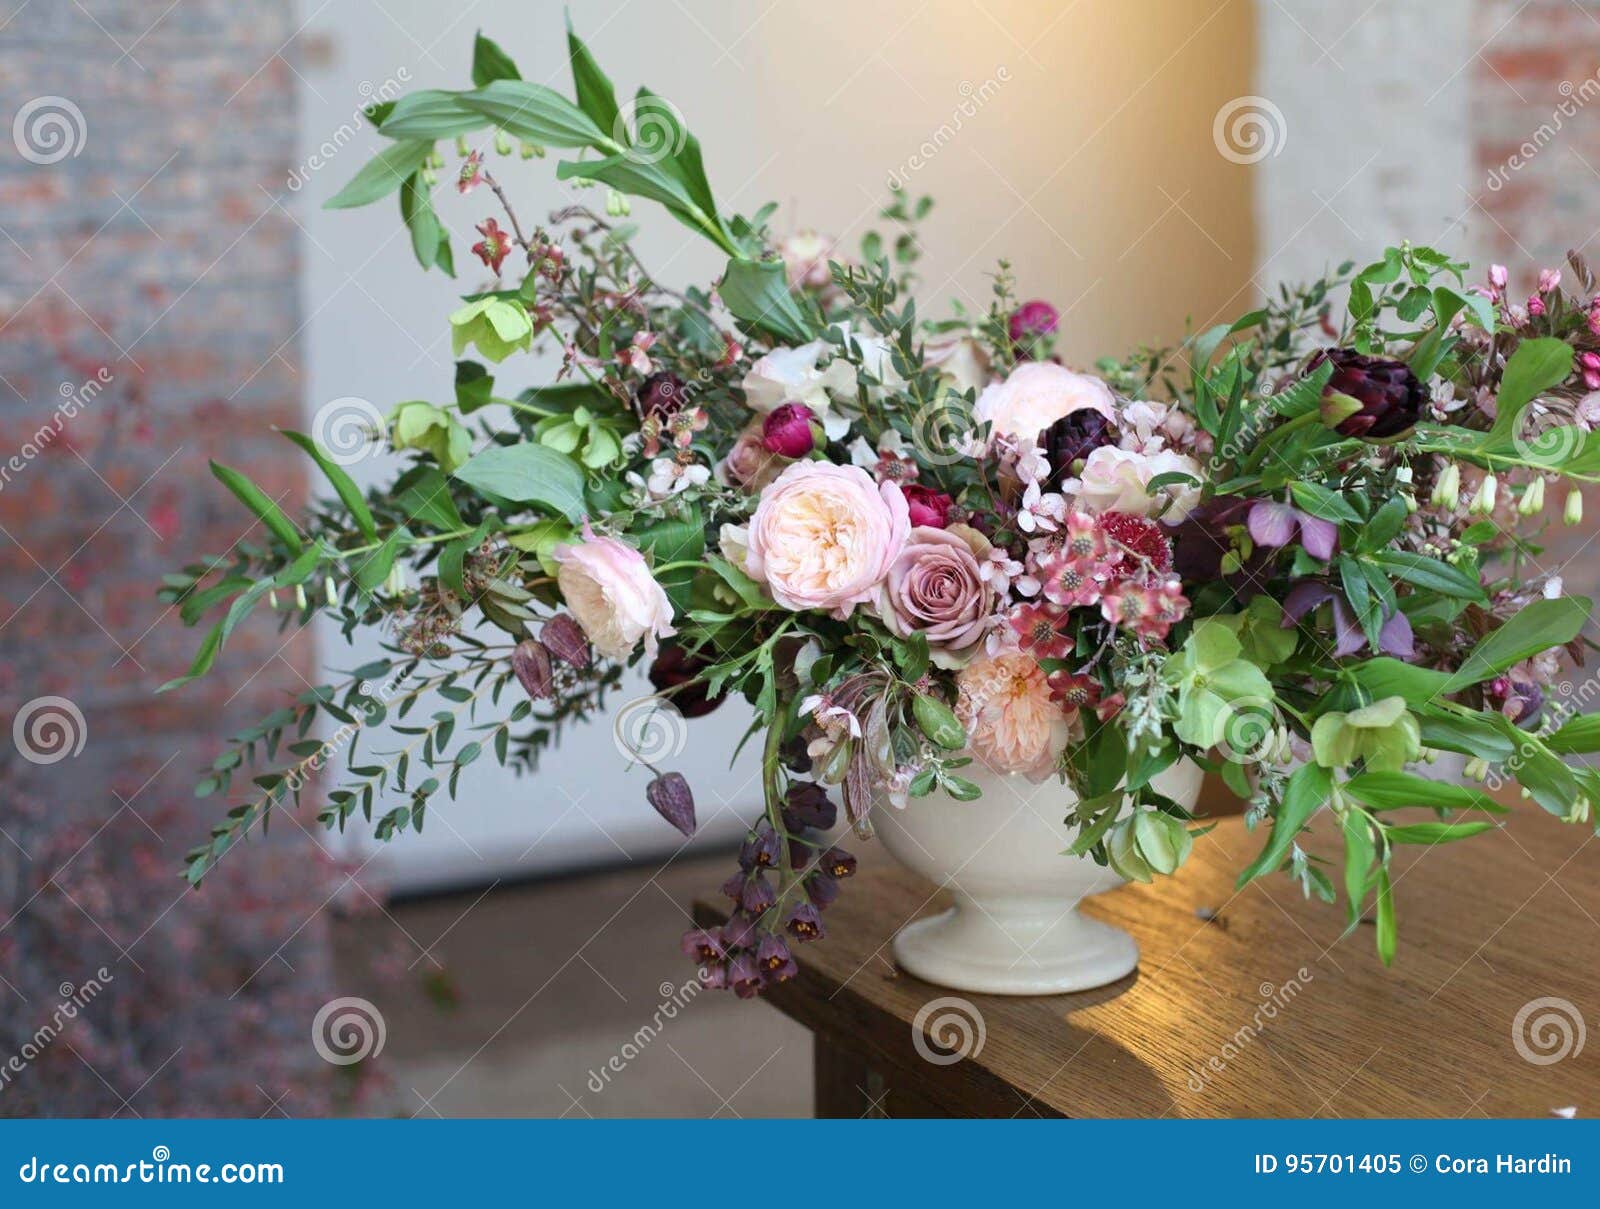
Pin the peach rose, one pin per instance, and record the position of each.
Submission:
(1012, 724)
(610, 591)
(1036, 395)
(824, 536)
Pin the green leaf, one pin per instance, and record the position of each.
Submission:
(1321, 502)
(253, 498)
(1578, 736)
(527, 474)
(757, 291)
(1535, 366)
(1305, 793)
(533, 112)
(1388, 677)
(1398, 790)
(1436, 833)
(1430, 573)
(374, 567)
(1537, 627)
(673, 540)
(659, 130)
(203, 659)
(423, 493)
(490, 63)
(429, 115)
(474, 386)
(938, 721)
(429, 240)
(596, 97)
(343, 485)
(1387, 933)
(382, 174)
(1359, 853)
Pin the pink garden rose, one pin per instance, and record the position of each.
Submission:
(609, 588)
(1012, 724)
(748, 465)
(1036, 395)
(824, 536)
(936, 587)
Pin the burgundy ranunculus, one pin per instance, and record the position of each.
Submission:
(677, 674)
(661, 394)
(927, 506)
(1073, 438)
(1385, 400)
(787, 431)
(1032, 320)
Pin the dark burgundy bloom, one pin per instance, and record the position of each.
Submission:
(678, 674)
(787, 431)
(804, 923)
(703, 947)
(821, 889)
(1141, 540)
(673, 799)
(1202, 540)
(757, 896)
(1383, 396)
(927, 506)
(1073, 438)
(530, 661)
(565, 640)
(744, 976)
(761, 848)
(776, 962)
(838, 863)
(1032, 320)
(807, 804)
(661, 394)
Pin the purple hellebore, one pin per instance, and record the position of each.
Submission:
(1273, 524)
(1394, 638)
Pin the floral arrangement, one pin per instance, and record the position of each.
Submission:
(1298, 549)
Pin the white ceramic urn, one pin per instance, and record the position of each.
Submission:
(1015, 928)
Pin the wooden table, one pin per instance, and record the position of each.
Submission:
(1266, 1010)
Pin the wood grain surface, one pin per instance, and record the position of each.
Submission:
(1269, 1009)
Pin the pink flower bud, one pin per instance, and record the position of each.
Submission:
(787, 431)
(1498, 276)
(1535, 305)
(1549, 279)
(928, 507)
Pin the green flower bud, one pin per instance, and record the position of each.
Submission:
(1447, 488)
(502, 143)
(1483, 499)
(1573, 513)
(617, 205)
(1532, 501)
(300, 597)
(531, 150)
(461, 146)
(430, 178)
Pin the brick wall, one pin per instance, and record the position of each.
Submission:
(148, 313)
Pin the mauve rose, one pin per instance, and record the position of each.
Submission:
(823, 536)
(928, 508)
(787, 431)
(748, 464)
(1036, 395)
(609, 588)
(935, 588)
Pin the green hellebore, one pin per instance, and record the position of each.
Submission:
(1384, 735)
(419, 425)
(498, 326)
(1213, 681)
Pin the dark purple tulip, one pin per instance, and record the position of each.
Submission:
(744, 976)
(678, 675)
(661, 394)
(758, 895)
(804, 923)
(807, 804)
(787, 431)
(821, 889)
(775, 960)
(1386, 396)
(761, 848)
(1073, 438)
(673, 799)
(837, 863)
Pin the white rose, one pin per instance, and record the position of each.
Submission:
(963, 363)
(790, 375)
(1036, 395)
(1113, 480)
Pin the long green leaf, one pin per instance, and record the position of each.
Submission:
(757, 291)
(1535, 366)
(343, 485)
(527, 474)
(382, 174)
(536, 113)
(253, 498)
(1398, 790)
(431, 114)
(1305, 793)
(1538, 626)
